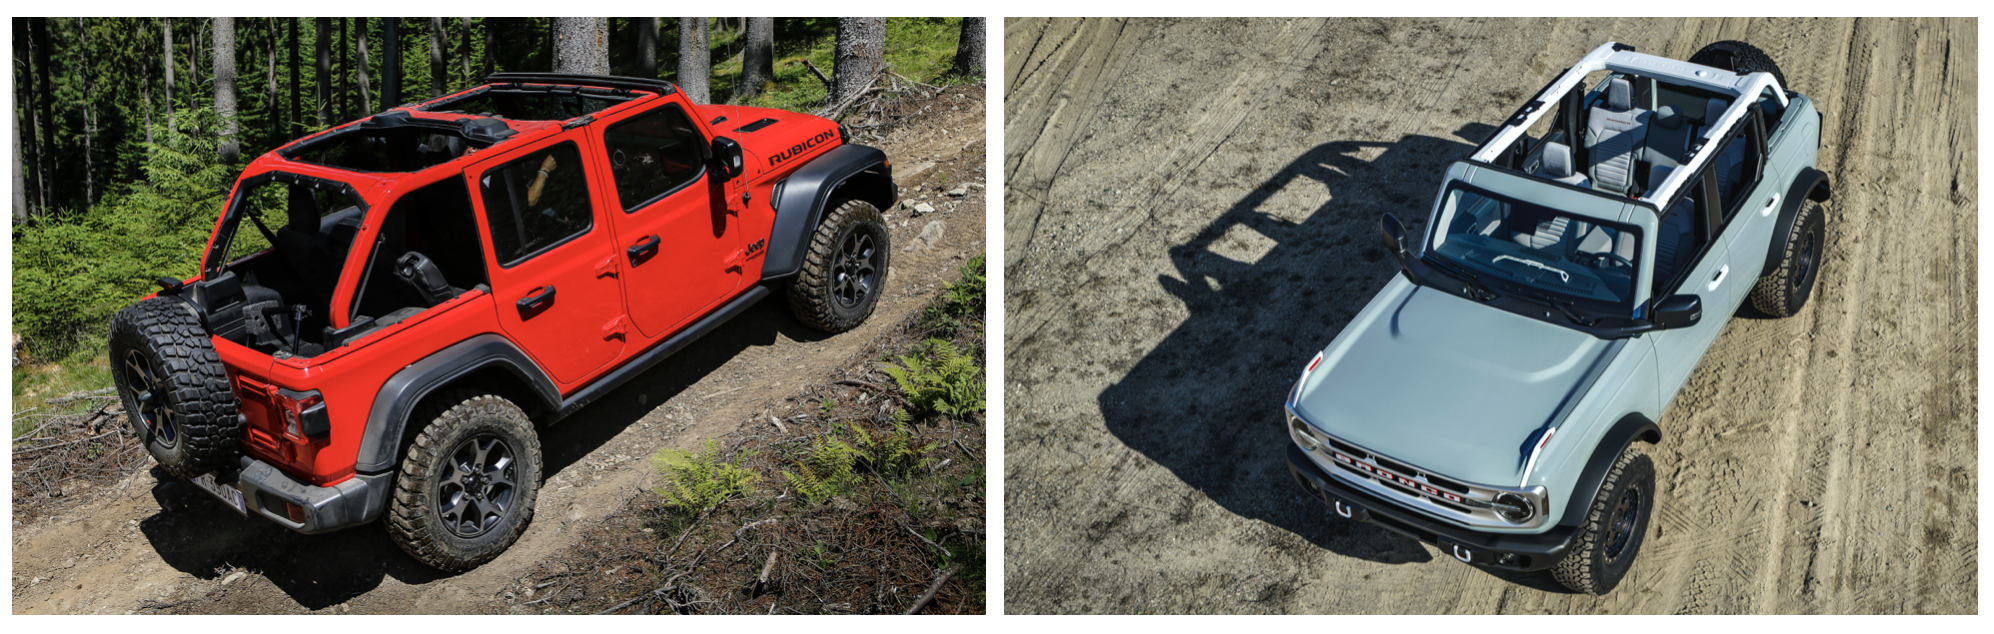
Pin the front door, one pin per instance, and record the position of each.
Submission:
(675, 232)
(1698, 263)
(552, 273)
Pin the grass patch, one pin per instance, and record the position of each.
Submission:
(35, 384)
(921, 49)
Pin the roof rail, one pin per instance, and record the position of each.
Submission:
(659, 86)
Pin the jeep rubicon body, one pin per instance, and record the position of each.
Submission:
(447, 275)
(1487, 399)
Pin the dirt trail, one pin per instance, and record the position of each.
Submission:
(139, 546)
(1207, 194)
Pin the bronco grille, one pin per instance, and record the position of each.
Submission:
(1417, 488)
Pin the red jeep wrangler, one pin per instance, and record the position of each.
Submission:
(425, 286)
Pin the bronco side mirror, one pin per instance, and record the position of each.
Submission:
(1394, 232)
(727, 157)
(1678, 311)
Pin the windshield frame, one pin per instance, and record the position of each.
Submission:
(1632, 306)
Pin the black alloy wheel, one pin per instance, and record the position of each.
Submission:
(478, 485)
(160, 423)
(855, 272)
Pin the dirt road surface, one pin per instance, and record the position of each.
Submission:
(1192, 210)
(142, 547)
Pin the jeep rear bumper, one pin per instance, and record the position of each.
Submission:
(271, 493)
(1509, 551)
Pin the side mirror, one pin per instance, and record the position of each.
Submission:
(1678, 311)
(727, 157)
(1394, 232)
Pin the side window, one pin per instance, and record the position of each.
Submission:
(536, 202)
(1732, 164)
(651, 155)
(1683, 232)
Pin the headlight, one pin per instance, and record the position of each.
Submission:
(1514, 507)
(1300, 432)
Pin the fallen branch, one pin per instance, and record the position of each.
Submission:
(818, 73)
(937, 587)
(72, 442)
(924, 538)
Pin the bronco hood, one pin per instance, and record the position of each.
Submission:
(772, 139)
(1449, 385)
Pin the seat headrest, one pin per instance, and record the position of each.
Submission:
(1557, 160)
(1619, 94)
(1668, 118)
(1713, 110)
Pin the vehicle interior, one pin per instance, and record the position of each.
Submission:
(396, 142)
(277, 297)
(531, 102)
(1611, 138)
(1539, 246)
(427, 253)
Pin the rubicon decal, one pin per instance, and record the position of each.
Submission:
(805, 146)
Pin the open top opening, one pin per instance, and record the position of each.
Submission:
(397, 142)
(531, 102)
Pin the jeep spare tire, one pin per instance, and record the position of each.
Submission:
(844, 268)
(173, 386)
(1739, 57)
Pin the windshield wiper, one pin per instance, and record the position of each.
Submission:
(1456, 271)
(1562, 306)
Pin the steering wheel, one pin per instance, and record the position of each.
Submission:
(1603, 258)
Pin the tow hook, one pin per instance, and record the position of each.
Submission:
(1341, 509)
(1466, 556)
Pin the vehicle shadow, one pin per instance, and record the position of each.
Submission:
(1206, 402)
(199, 536)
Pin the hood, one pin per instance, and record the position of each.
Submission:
(1449, 385)
(773, 139)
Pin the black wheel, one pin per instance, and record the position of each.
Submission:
(1738, 56)
(844, 268)
(1607, 542)
(467, 484)
(174, 387)
(1783, 291)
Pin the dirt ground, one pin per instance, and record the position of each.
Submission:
(1192, 209)
(139, 546)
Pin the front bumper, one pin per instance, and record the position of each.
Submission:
(1509, 551)
(268, 492)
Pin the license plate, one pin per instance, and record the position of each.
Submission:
(227, 494)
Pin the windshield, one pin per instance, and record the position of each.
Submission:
(1567, 256)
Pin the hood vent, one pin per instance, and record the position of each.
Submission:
(756, 125)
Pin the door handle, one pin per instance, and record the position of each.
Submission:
(643, 248)
(1719, 277)
(534, 301)
(1770, 205)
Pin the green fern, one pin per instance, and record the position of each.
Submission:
(827, 472)
(698, 481)
(945, 381)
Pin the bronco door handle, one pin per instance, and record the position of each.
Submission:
(1770, 205)
(534, 301)
(643, 249)
(1719, 277)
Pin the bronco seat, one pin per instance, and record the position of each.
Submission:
(1615, 135)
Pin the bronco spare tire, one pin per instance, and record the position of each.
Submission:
(1739, 57)
(174, 387)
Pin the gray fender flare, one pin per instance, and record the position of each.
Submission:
(800, 200)
(1809, 184)
(1630, 428)
(380, 446)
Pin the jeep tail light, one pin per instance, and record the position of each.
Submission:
(304, 414)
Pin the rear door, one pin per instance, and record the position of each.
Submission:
(677, 238)
(550, 256)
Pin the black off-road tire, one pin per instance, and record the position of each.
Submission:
(1783, 291)
(850, 251)
(1607, 542)
(174, 387)
(457, 425)
(1738, 56)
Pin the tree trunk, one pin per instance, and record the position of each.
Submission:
(464, 57)
(581, 46)
(491, 65)
(225, 87)
(439, 68)
(89, 115)
(391, 63)
(360, 66)
(145, 92)
(20, 182)
(647, 47)
(39, 28)
(297, 107)
(694, 60)
(322, 31)
(339, 72)
(969, 49)
(270, 94)
(757, 60)
(166, 27)
(27, 88)
(861, 53)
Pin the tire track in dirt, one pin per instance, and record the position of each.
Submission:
(1824, 463)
